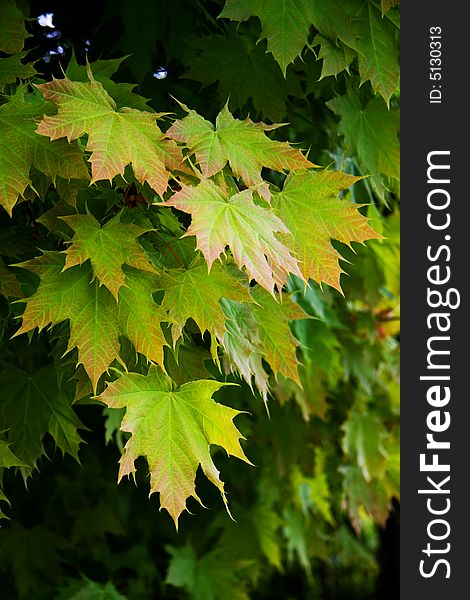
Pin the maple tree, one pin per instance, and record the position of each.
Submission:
(178, 270)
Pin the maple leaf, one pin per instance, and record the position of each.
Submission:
(222, 58)
(116, 137)
(248, 229)
(13, 32)
(173, 429)
(285, 24)
(213, 576)
(122, 93)
(372, 134)
(12, 67)
(243, 144)
(31, 406)
(364, 437)
(263, 334)
(91, 309)
(243, 347)
(140, 317)
(195, 294)
(96, 319)
(336, 57)
(108, 248)
(309, 206)
(21, 148)
(377, 49)
(278, 344)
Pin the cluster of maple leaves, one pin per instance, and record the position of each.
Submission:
(148, 263)
(244, 230)
(214, 247)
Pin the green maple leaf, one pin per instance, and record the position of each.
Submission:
(195, 293)
(336, 57)
(13, 32)
(116, 137)
(377, 49)
(219, 219)
(213, 576)
(96, 319)
(33, 405)
(277, 342)
(285, 24)
(140, 317)
(364, 438)
(309, 206)
(242, 144)
(21, 148)
(260, 331)
(173, 429)
(12, 67)
(372, 134)
(222, 58)
(108, 248)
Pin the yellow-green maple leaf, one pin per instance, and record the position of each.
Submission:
(220, 220)
(21, 148)
(309, 206)
(173, 429)
(195, 293)
(242, 144)
(108, 248)
(116, 137)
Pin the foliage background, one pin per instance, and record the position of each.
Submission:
(317, 516)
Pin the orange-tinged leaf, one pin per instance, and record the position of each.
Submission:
(173, 429)
(309, 206)
(220, 220)
(116, 137)
(242, 144)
